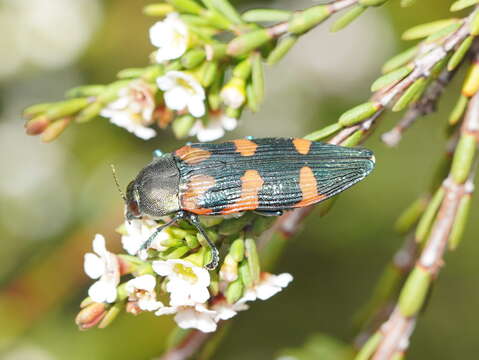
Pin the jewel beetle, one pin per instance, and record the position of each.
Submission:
(267, 175)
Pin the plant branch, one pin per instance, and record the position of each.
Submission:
(426, 105)
(457, 188)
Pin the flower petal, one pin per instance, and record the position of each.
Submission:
(176, 98)
(103, 291)
(196, 106)
(93, 266)
(166, 310)
(144, 133)
(229, 123)
(190, 319)
(99, 245)
(143, 282)
(163, 268)
(210, 134)
(149, 304)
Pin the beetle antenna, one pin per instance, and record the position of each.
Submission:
(115, 177)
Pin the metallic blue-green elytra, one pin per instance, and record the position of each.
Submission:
(265, 175)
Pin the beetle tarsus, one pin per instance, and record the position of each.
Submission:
(215, 257)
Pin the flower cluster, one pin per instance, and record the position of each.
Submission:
(172, 278)
(207, 67)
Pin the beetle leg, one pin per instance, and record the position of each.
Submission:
(269, 213)
(179, 215)
(214, 251)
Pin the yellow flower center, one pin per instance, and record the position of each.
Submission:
(186, 85)
(186, 273)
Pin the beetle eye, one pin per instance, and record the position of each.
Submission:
(133, 209)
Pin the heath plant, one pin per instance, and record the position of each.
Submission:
(205, 70)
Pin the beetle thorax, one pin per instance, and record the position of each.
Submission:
(156, 188)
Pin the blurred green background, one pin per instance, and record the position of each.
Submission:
(55, 197)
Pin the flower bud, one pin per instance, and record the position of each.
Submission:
(90, 112)
(458, 111)
(178, 252)
(224, 7)
(463, 158)
(90, 315)
(348, 17)
(245, 274)
(354, 139)
(110, 315)
(66, 108)
(85, 91)
(234, 291)
(229, 269)
(471, 84)
(411, 94)
(427, 29)
(399, 59)
(35, 110)
(462, 4)
(427, 218)
(187, 6)
(257, 77)
(237, 250)
(460, 222)
(459, 54)
(182, 126)
(266, 15)
(192, 241)
(253, 259)
(210, 72)
(245, 43)
(307, 19)
(410, 216)
(193, 58)
(159, 10)
(324, 132)
(474, 25)
(391, 77)
(54, 130)
(281, 49)
(233, 93)
(37, 125)
(414, 292)
(359, 113)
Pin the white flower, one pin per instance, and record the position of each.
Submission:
(133, 109)
(192, 317)
(268, 286)
(187, 283)
(102, 266)
(170, 36)
(142, 290)
(225, 311)
(197, 317)
(214, 129)
(138, 231)
(202, 318)
(182, 91)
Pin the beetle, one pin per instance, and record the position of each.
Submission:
(266, 175)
